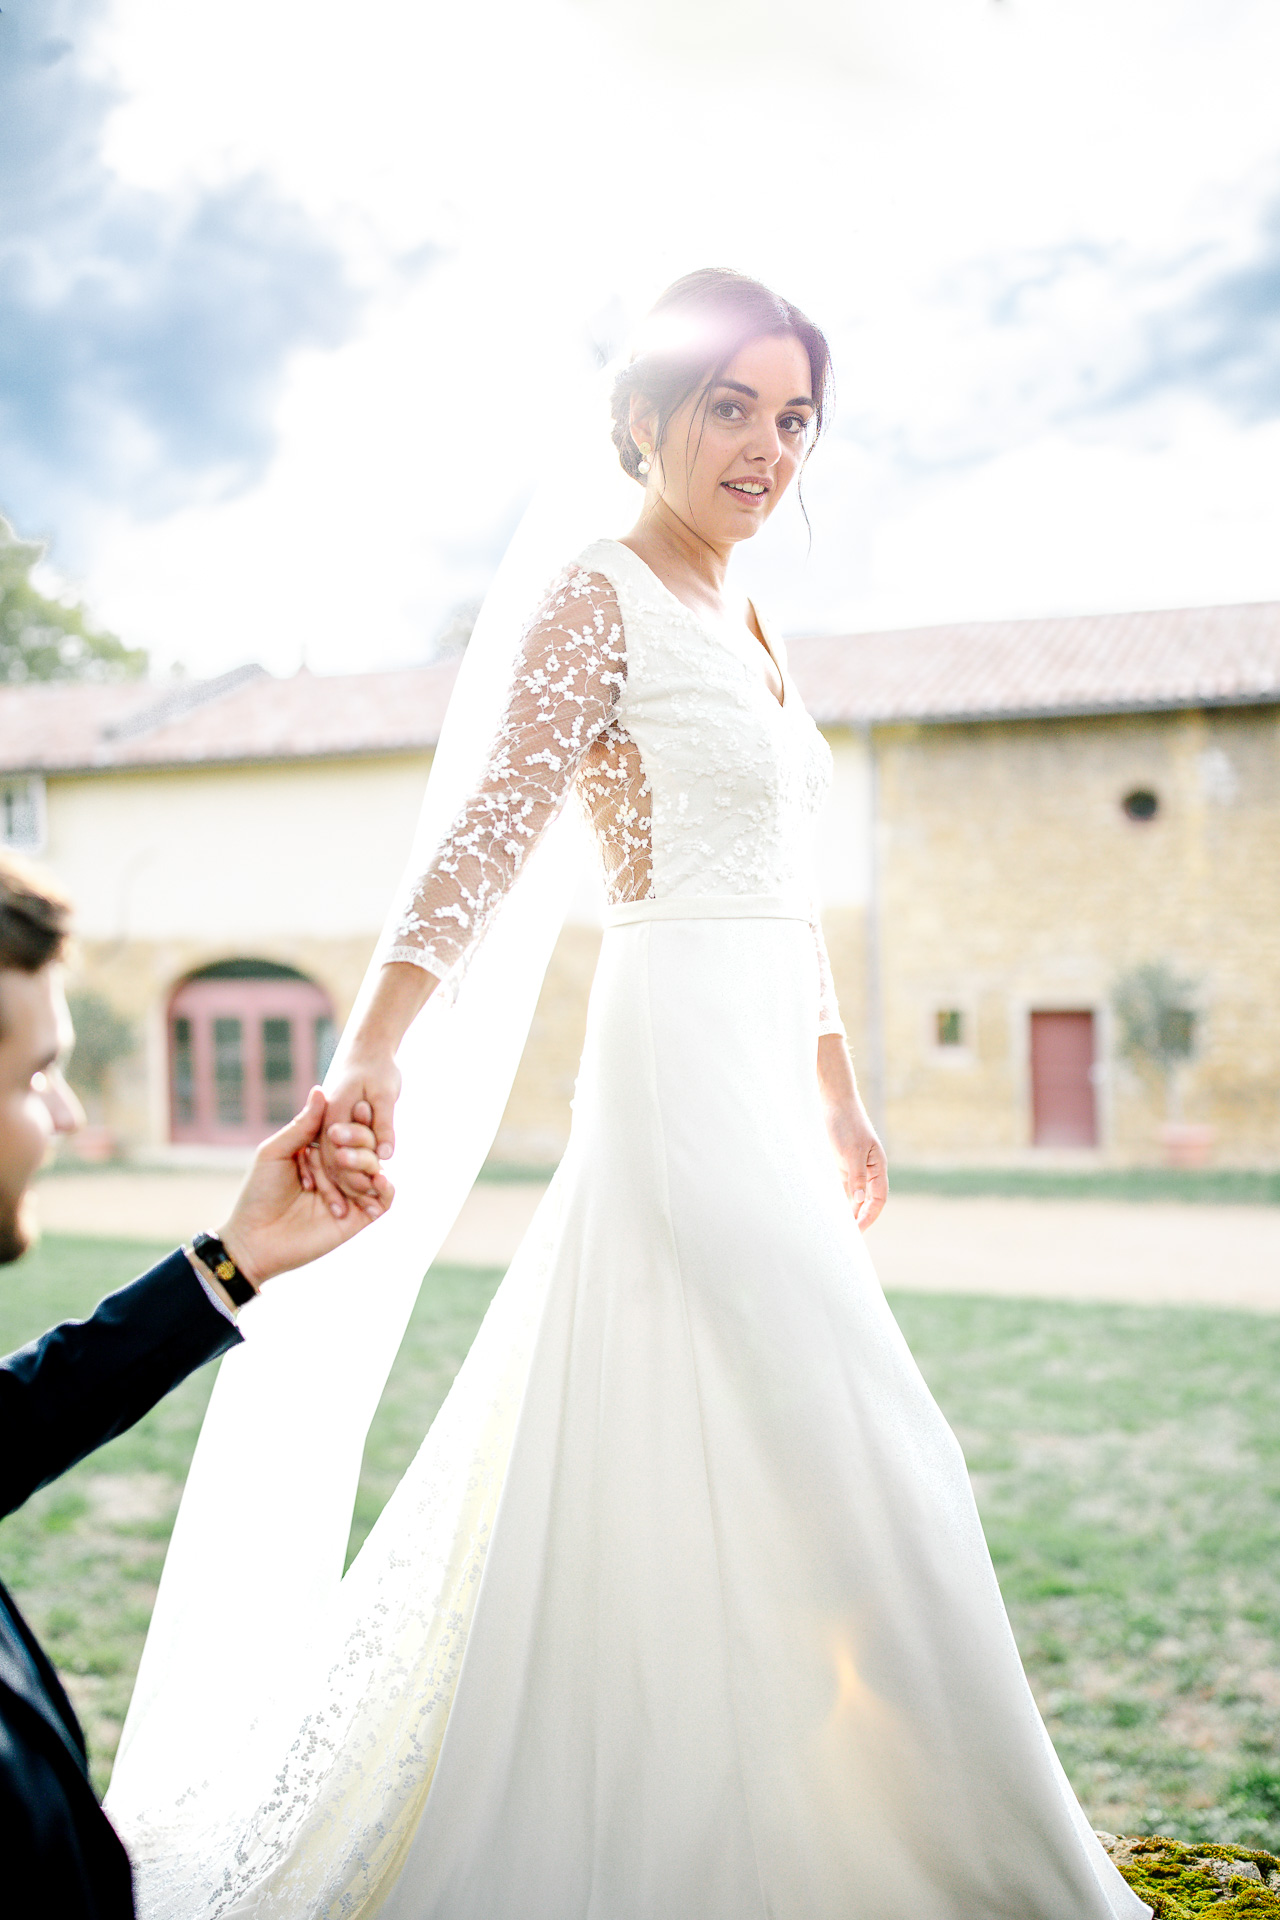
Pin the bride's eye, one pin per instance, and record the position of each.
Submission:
(727, 409)
(794, 422)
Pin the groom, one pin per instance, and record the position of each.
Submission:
(86, 1381)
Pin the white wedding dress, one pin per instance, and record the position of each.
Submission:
(683, 1611)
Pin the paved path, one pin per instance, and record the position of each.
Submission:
(1151, 1253)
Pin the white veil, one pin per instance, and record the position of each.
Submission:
(258, 1547)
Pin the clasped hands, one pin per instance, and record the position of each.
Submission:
(344, 1161)
(290, 1209)
(358, 1132)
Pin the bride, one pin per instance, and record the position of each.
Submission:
(683, 1611)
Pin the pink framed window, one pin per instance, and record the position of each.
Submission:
(246, 1041)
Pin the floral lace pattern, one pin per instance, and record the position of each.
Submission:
(569, 674)
(694, 778)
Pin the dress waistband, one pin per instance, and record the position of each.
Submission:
(718, 906)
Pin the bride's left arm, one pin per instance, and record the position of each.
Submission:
(863, 1167)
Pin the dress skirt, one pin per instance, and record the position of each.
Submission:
(735, 1647)
(683, 1610)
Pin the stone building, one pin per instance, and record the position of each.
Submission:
(231, 846)
(1022, 814)
(1050, 804)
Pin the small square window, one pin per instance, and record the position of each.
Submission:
(22, 813)
(949, 1027)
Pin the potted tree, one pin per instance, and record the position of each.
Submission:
(1155, 1008)
(103, 1036)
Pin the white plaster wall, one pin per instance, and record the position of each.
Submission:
(303, 849)
(313, 849)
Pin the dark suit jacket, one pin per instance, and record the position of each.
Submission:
(61, 1397)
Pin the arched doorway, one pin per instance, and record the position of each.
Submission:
(247, 1038)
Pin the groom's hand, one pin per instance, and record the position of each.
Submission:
(289, 1211)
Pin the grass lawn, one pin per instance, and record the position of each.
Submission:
(1127, 1462)
(1207, 1186)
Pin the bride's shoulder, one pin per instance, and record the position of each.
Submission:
(606, 559)
(582, 602)
(598, 577)
(638, 591)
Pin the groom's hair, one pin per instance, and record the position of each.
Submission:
(35, 916)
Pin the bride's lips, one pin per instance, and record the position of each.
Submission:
(748, 487)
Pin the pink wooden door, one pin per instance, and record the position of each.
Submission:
(242, 1054)
(1063, 1106)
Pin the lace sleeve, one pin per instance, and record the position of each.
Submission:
(568, 678)
(829, 1020)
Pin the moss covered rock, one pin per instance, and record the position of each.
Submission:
(1178, 1882)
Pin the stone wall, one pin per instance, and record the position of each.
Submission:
(1011, 879)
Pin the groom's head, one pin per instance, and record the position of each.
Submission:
(35, 1039)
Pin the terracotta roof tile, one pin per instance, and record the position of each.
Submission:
(1090, 663)
(1094, 663)
(246, 715)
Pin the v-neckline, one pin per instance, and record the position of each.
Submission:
(761, 639)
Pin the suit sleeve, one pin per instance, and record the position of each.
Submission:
(85, 1381)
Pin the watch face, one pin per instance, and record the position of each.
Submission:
(225, 1269)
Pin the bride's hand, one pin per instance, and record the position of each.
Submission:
(366, 1084)
(864, 1169)
(360, 1114)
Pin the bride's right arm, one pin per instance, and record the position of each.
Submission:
(568, 677)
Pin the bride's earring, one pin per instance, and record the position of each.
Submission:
(643, 464)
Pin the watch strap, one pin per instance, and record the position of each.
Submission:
(211, 1253)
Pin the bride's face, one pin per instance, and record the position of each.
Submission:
(728, 456)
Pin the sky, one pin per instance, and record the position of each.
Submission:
(292, 296)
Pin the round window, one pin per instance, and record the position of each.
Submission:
(1141, 804)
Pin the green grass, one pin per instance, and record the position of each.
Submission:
(1127, 1462)
(1209, 1186)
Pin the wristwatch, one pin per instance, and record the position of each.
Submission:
(210, 1251)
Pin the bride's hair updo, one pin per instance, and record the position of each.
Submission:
(692, 333)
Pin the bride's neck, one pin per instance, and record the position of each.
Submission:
(675, 551)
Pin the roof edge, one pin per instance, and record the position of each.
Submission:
(64, 770)
(1088, 711)
(984, 624)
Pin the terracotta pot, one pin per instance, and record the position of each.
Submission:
(1185, 1144)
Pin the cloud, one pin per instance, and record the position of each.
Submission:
(143, 337)
(1223, 340)
(1082, 339)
